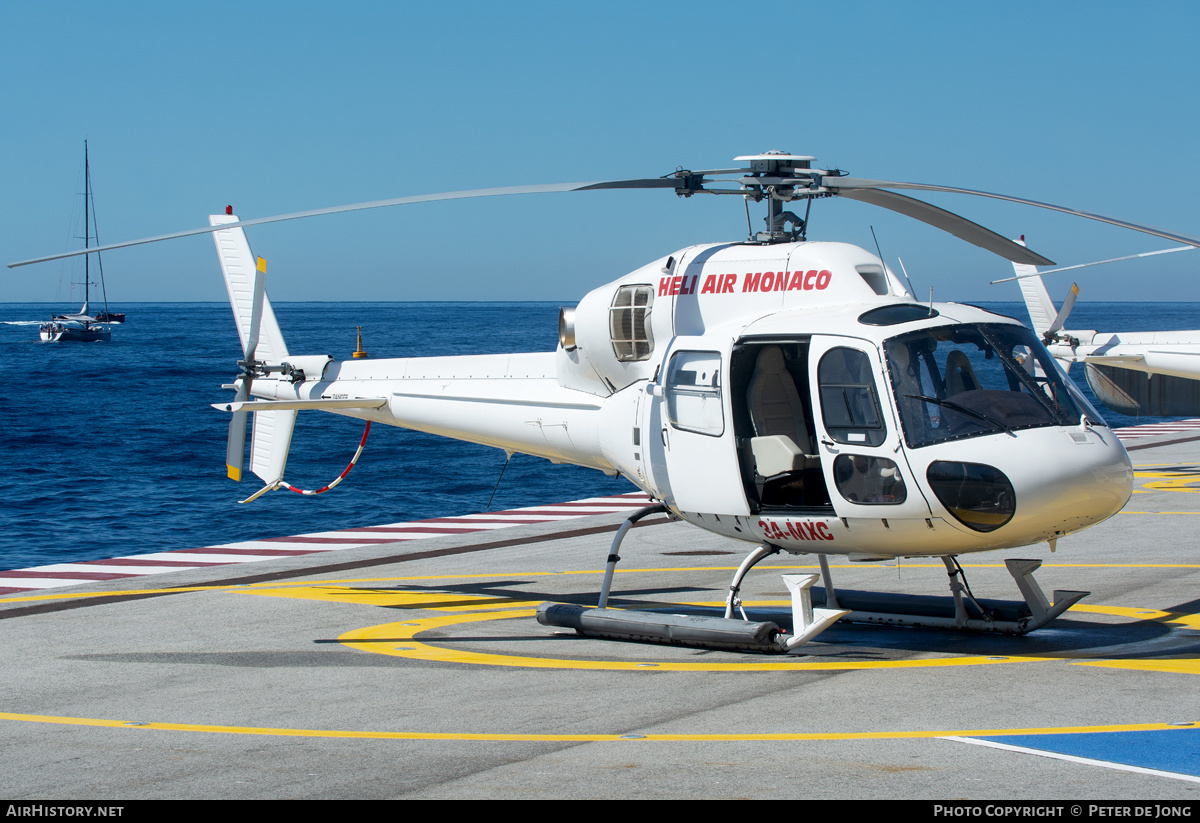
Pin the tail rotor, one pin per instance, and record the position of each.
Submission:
(1060, 319)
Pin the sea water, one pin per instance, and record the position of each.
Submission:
(112, 449)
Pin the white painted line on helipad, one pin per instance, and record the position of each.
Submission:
(250, 551)
(1070, 758)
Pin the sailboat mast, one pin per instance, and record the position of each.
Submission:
(87, 229)
(90, 198)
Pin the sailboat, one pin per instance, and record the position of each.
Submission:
(84, 327)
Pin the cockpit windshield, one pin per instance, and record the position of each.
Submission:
(967, 380)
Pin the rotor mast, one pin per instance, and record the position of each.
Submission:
(777, 177)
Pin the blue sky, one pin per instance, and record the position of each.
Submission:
(278, 107)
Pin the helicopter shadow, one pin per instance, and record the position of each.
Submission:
(1069, 636)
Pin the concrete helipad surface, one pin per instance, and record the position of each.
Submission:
(416, 669)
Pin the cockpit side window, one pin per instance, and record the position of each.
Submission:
(849, 400)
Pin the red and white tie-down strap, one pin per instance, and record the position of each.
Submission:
(341, 476)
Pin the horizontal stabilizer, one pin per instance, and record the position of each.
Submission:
(1118, 360)
(300, 405)
(1136, 393)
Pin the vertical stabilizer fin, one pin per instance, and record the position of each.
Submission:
(238, 265)
(262, 340)
(269, 444)
(1041, 308)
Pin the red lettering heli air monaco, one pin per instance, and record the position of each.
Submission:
(760, 281)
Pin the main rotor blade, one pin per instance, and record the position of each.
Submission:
(1097, 263)
(960, 227)
(643, 183)
(838, 184)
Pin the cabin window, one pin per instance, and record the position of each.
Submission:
(629, 323)
(849, 401)
(869, 481)
(693, 392)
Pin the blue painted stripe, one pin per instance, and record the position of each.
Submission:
(1169, 750)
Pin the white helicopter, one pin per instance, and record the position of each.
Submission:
(1136, 373)
(784, 392)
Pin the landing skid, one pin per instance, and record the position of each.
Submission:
(699, 630)
(696, 630)
(962, 611)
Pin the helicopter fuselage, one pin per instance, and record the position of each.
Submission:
(790, 393)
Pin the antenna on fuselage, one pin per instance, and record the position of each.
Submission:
(911, 290)
(907, 279)
(877, 249)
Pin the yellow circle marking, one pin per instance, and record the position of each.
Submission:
(397, 640)
(1163, 479)
(577, 738)
(371, 638)
(1125, 511)
(470, 608)
(1190, 484)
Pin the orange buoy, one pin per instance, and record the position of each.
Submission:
(360, 353)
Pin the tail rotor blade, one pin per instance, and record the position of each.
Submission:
(1061, 318)
(235, 445)
(235, 448)
(260, 288)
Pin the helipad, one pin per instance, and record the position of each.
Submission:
(413, 669)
